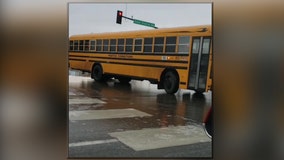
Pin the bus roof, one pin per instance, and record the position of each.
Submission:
(205, 29)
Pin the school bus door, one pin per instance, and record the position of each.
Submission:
(199, 62)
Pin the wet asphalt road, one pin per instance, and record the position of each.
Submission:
(135, 120)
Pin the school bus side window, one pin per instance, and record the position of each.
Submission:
(76, 45)
(171, 44)
(138, 45)
(129, 45)
(183, 45)
(113, 45)
(159, 45)
(106, 44)
(120, 45)
(81, 45)
(148, 43)
(71, 45)
(86, 45)
(99, 45)
(93, 45)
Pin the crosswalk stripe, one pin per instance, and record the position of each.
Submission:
(154, 138)
(85, 100)
(106, 114)
(78, 144)
(77, 79)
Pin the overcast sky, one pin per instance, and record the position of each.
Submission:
(101, 17)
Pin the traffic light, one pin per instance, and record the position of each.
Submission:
(119, 17)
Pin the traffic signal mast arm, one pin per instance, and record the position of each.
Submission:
(136, 21)
(128, 18)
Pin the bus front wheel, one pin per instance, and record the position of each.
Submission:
(98, 73)
(171, 82)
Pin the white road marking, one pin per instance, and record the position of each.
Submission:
(106, 114)
(154, 138)
(92, 142)
(77, 93)
(77, 79)
(85, 100)
(72, 93)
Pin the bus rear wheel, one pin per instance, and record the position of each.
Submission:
(170, 82)
(98, 73)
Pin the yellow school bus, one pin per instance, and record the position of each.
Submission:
(173, 58)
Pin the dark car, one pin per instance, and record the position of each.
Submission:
(208, 123)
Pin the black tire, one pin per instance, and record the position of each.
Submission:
(171, 82)
(98, 73)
